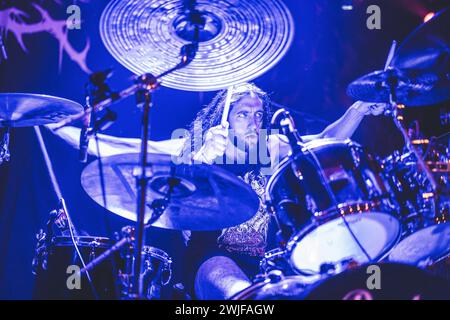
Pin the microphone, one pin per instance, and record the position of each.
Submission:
(3, 54)
(288, 128)
(85, 136)
(97, 90)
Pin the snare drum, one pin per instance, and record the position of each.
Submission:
(157, 271)
(333, 198)
(110, 278)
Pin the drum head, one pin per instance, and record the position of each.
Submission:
(333, 243)
(395, 281)
(423, 247)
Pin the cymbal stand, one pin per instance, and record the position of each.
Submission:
(398, 118)
(4, 146)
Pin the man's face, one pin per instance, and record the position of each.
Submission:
(246, 120)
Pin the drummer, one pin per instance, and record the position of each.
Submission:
(220, 264)
(223, 262)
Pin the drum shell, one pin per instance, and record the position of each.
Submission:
(157, 272)
(334, 206)
(109, 277)
(51, 274)
(302, 193)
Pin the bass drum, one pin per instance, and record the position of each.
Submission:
(393, 281)
(334, 201)
(383, 281)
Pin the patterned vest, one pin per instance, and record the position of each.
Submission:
(249, 237)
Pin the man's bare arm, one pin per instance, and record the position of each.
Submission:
(344, 127)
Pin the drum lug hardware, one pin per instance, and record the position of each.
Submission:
(275, 276)
(356, 157)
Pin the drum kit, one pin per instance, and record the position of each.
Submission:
(338, 208)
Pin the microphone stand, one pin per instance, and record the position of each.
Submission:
(143, 88)
(147, 84)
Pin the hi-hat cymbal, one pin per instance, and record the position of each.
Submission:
(206, 197)
(239, 40)
(27, 109)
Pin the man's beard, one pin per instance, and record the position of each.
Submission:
(251, 149)
(245, 145)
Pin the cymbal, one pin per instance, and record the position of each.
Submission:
(422, 65)
(239, 41)
(428, 49)
(413, 88)
(206, 197)
(27, 109)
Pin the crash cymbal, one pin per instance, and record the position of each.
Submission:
(427, 47)
(27, 109)
(239, 40)
(413, 87)
(206, 197)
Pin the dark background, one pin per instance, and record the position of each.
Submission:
(331, 48)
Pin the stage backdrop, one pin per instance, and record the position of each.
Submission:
(331, 48)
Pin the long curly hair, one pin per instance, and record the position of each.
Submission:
(211, 115)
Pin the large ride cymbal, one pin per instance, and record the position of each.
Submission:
(27, 109)
(206, 198)
(240, 40)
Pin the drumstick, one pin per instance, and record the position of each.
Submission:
(226, 108)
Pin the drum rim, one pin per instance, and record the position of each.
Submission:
(157, 253)
(83, 241)
(245, 293)
(313, 225)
